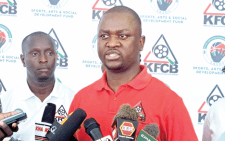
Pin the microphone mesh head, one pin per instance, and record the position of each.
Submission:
(152, 129)
(126, 112)
(90, 124)
(49, 113)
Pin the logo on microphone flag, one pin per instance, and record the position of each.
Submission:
(127, 128)
(143, 136)
(141, 112)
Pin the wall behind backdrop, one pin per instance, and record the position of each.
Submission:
(184, 40)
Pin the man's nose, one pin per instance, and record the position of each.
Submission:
(43, 58)
(113, 42)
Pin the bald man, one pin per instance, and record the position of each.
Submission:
(40, 87)
(120, 41)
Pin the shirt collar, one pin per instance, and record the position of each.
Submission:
(27, 93)
(139, 82)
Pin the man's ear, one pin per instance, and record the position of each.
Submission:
(22, 59)
(141, 43)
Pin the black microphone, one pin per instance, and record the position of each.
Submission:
(92, 128)
(150, 132)
(125, 124)
(69, 127)
(48, 117)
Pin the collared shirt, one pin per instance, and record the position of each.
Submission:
(23, 98)
(214, 125)
(153, 100)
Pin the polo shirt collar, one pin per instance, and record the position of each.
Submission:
(26, 93)
(139, 82)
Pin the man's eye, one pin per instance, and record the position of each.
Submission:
(104, 36)
(50, 53)
(34, 54)
(123, 36)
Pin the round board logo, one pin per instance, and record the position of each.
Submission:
(55, 4)
(214, 50)
(164, 6)
(5, 38)
(219, 4)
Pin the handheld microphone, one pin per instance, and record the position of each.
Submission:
(125, 124)
(15, 118)
(92, 128)
(150, 132)
(65, 132)
(48, 117)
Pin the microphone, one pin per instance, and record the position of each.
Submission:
(92, 128)
(125, 124)
(65, 132)
(150, 132)
(48, 117)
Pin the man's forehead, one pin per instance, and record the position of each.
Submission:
(116, 19)
(38, 41)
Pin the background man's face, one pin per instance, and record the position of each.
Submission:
(118, 41)
(40, 57)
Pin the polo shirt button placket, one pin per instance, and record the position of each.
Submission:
(114, 98)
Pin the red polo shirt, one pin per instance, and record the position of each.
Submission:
(156, 102)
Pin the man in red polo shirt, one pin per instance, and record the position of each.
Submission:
(120, 41)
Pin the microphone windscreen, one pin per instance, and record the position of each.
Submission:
(152, 129)
(90, 124)
(49, 113)
(126, 112)
(92, 128)
(70, 126)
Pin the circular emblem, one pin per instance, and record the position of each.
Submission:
(161, 51)
(109, 2)
(55, 4)
(5, 38)
(214, 50)
(127, 128)
(164, 6)
(213, 99)
(219, 4)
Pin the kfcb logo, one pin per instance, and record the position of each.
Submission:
(161, 59)
(214, 96)
(60, 114)
(101, 6)
(62, 58)
(214, 50)
(8, 7)
(164, 6)
(55, 4)
(5, 38)
(214, 14)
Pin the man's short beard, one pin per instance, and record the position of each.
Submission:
(43, 79)
(117, 69)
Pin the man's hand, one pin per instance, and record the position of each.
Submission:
(7, 131)
(164, 4)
